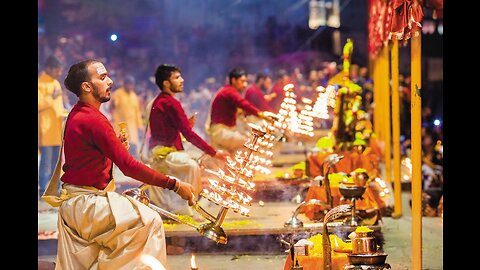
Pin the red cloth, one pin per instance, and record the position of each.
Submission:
(255, 96)
(91, 147)
(225, 104)
(380, 16)
(406, 18)
(276, 102)
(168, 120)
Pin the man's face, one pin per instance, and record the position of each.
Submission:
(240, 83)
(100, 81)
(176, 82)
(267, 83)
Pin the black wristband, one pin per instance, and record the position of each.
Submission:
(178, 187)
(172, 187)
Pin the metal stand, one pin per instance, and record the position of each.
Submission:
(352, 193)
(353, 219)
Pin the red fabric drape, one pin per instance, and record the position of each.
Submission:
(398, 19)
(406, 18)
(380, 12)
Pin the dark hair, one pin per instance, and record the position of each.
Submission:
(261, 76)
(281, 73)
(236, 73)
(77, 74)
(53, 62)
(163, 73)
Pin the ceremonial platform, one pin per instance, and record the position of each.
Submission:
(254, 242)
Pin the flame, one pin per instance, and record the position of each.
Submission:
(193, 265)
(288, 86)
(152, 262)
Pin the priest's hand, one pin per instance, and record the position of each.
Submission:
(185, 191)
(269, 97)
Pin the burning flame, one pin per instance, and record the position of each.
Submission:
(152, 262)
(193, 265)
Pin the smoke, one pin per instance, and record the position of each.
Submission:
(210, 37)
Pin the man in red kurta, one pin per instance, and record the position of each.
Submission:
(277, 90)
(223, 112)
(99, 228)
(168, 122)
(256, 92)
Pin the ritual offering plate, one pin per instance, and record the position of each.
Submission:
(367, 259)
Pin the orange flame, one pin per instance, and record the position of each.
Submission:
(193, 265)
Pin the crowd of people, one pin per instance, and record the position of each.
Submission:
(102, 96)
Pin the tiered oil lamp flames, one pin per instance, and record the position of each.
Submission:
(325, 98)
(229, 190)
(301, 123)
(305, 118)
(261, 156)
(288, 108)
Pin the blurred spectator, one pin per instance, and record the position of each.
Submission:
(125, 107)
(277, 89)
(51, 113)
(256, 93)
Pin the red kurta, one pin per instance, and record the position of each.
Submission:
(225, 104)
(255, 96)
(168, 120)
(91, 147)
(276, 102)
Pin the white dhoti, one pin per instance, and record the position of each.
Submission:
(185, 168)
(227, 138)
(101, 229)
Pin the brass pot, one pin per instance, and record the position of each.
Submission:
(360, 179)
(364, 243)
